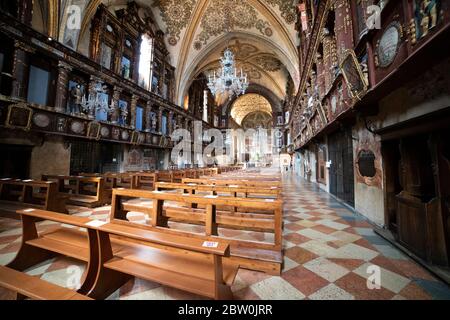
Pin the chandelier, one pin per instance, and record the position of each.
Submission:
(228, 80)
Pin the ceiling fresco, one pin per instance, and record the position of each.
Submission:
(223, 15)
(176, 15)
(194, 29)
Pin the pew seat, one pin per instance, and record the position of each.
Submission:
(170, 260)
(191, 267)
(35, 288)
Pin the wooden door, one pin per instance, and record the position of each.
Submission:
(342, 183)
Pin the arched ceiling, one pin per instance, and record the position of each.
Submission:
(248, 104)
(196, 34)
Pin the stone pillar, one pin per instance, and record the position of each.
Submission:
(62, 86)
(20, 70)
(148, 120)
(134, 100)
(115, 111)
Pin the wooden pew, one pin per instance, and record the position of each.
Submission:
(37, 247)
(116, 252)
(83, 191)
(163, 176)
(144, 180)
(178, 175)
(125, 180)
(261, 256)
(183, 263)
(34, 288)
(20, 194)
(232, 190)
(238, 182)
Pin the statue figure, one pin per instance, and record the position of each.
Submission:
(115, 113)
(430, 10)
(426, 16)
(424, 23)
(153, 121)
(76, 97)
(124, 114)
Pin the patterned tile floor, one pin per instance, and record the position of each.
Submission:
(328, 252)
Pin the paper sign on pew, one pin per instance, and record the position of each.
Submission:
(96, 223)
(210, 244)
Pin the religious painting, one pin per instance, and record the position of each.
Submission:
(125, 67)
(164, 124)
(93, 130)
(165, 90)
(353, 75)
(155, 84)
(139, 118)
(106, 57)
(426, 16)
(101, 112)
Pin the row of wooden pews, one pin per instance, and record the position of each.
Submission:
(114, 253)
(118, 250)
(18, 194)
(216, 204)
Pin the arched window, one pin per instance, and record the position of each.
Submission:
(145, 61)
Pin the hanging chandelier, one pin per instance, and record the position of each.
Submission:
(228, 80)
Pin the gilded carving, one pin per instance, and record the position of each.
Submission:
(268, 63)
(225, 15)
(176, 15)
(287, 9)
(19, 117)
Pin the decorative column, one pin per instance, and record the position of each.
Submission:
(134, 100)
(160, 112)
(62, 86)
(115, 111)
(343, 26)
(20, 70)
(148, 120)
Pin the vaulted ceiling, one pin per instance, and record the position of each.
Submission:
(261, 32)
